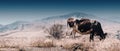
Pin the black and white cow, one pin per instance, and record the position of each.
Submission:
(86, 26)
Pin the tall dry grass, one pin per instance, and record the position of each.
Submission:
(80, 44)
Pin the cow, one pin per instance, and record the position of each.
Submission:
(86, 26)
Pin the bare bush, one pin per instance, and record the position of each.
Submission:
(56, 31)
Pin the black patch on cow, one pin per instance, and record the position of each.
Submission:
(77, 21)
(84, 27)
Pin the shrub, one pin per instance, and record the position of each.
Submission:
(56, 31)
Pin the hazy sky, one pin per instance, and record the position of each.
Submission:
(13, 10)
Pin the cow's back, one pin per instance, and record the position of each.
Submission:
(84, 25)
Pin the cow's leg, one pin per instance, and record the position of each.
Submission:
(91, 36)
(73, 33)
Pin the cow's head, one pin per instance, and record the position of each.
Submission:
(70, 22)
(105, 34)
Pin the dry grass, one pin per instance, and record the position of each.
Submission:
(81, 44)
(43, 43)
(12, 42)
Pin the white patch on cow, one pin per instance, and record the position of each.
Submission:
(94, 22)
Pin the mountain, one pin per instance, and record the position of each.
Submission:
(38, 24)
(80, 15)
(21, 25)
(18, 25)
(1, 25)
(66, 16)
(61, 19)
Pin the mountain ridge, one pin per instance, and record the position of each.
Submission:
(74, 14)
(21, 24)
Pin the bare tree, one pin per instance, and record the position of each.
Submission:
(56, 31)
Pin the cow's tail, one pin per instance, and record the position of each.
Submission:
(105, 34)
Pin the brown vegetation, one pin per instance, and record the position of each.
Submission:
(56, 31)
